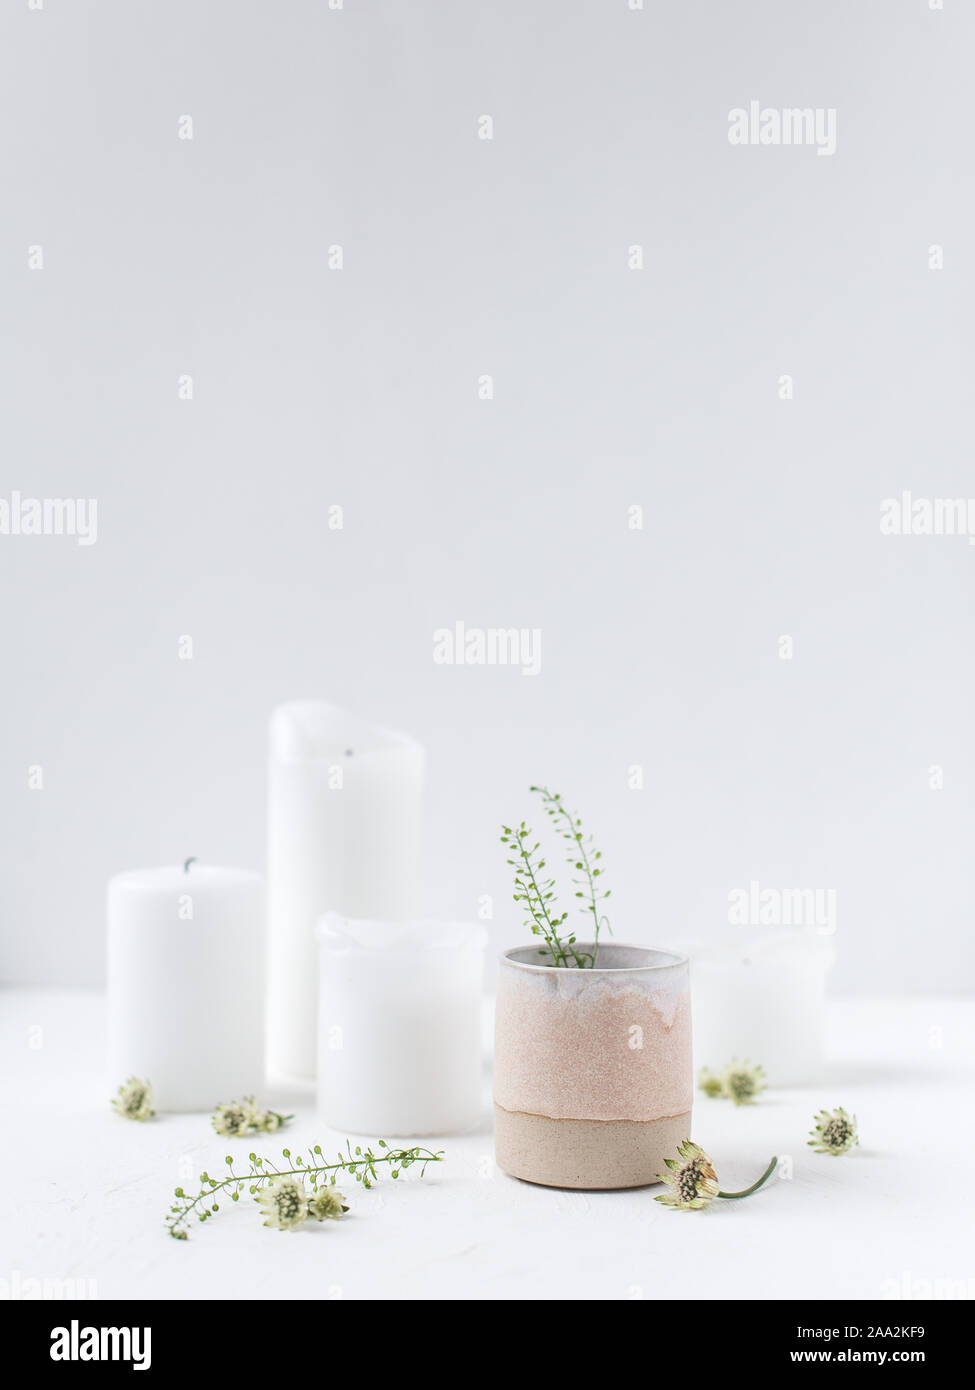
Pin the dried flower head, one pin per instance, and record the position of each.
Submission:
(328, 1204)
(695, 1183)
(238, 1117)
(269, 1120)
(692, 1178)
(235, 1118)
(742, 1082)
(134, 1100)
(835, 1132)
(284, 1202)
(709, 1082)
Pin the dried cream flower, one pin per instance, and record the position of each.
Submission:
(239, 1117)
(709, 1083)
(692, 1178)
(741, 1082)
(835, 1132)
(270, 1120)
(134, 1100)
(285, 1202)
(328, 1204)
(234, 1118)
(694, 1181)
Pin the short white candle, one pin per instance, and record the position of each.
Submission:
(343, 836)
(400, 1027)
(760, 996)
(186, 983)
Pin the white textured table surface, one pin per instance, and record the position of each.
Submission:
(83, 1193)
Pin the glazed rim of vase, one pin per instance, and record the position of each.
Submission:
(660, 959)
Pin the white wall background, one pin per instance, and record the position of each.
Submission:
(315, 387)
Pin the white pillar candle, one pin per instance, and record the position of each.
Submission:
(186, 983)
(399, 1041)
(343, 836)
(761, 996)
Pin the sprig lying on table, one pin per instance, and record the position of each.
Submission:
(281, 1192)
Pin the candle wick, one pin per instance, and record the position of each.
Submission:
(188, 862)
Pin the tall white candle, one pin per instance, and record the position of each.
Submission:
(186, 983)
(344, 836)
(400, 1026)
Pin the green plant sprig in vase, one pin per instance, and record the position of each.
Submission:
(537, 891)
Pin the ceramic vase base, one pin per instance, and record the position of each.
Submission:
(589, 1154)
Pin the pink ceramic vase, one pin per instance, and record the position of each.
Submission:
(592, 1069)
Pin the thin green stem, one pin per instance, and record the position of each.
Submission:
(551, 935)
(579, 850)
(755, 1185)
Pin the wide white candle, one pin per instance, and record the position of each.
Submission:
(399, 1042)
(343, 836)
(186, 983)
(760, 995)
